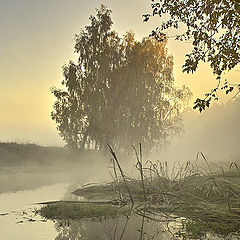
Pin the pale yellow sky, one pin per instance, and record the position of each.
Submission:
(37, 38)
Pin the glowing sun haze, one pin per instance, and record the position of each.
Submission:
(37, 38)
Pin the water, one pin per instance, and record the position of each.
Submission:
(134, 227)
(19, 221)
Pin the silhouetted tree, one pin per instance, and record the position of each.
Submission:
(120, 92)
(213, 26)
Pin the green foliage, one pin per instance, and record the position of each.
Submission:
(68, 211)
(198, 229)
(194, 229)
(120, 92)
(210, 201)
(213, 26)
(206, 201)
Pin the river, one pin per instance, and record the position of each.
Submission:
(19, 221)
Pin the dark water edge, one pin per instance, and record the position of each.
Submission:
(133, 227)
(85, 220)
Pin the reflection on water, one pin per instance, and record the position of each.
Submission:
(22, 199)
(13, 180)
(127, 228)
(133, 227)
(19, 221)
(21, 188)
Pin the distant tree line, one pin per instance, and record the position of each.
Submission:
(30, 155)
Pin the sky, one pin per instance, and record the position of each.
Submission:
(37, 39)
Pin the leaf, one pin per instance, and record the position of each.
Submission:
(214, 29)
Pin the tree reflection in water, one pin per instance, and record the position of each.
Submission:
(122, 228)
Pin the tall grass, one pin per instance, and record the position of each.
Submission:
(190, 190)
(122, 174)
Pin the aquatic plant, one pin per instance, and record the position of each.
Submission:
(70, 210)
(191, 191)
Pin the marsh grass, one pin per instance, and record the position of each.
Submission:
(192, 191)
(208, 200)
(76, 211)
(197, 229)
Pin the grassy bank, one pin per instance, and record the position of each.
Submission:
(208, 200)
(76, 211)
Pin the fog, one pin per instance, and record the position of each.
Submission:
(28, 166)
(30, 174)
(215, 132)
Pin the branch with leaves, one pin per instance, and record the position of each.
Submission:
(213, 27)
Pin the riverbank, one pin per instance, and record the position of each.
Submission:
(19, 154)
(207, 200)
(28, 166)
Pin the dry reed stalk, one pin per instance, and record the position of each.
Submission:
(122, 174)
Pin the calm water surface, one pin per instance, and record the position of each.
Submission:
(18, 220)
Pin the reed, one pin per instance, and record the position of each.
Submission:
(187, 190)
(122, 174)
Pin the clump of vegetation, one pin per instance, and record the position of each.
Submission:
(120, 90)
(73, 211)
(197, 194)
(196, 229)
(207, 200)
